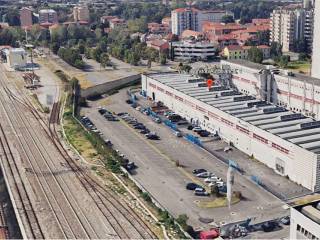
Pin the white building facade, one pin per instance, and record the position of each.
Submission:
(189, 50)
(315, 71)
(291, 25)
(251, 125)
(305, 221)
(16, 57)
(192, 19)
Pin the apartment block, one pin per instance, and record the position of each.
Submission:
(26, 17)
(289, 25)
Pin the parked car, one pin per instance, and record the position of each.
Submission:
(269, 226)
(199, 189)
(212, 179)
(129, 101)
(204, 133)
(102, 111)
(122, 114)
(152, 136)
(108, 142)
(190, 127)
(140, 127)
(204, 175)
(157, 120)
(130, 166)
(192, 186)
(144, 131)
(199, 170)
(285, 220)
(204, 194)
(178, 134)
(227, 149)
(197, 129)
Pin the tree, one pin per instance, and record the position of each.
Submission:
(13, 17)
(255, 55)
(301, 46)
(263, 37)
(275, 50)
(163, 59)
(227, 19)
(283, 61)
(138, 25)
(104, 60)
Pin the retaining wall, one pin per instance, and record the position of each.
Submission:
(107, 86)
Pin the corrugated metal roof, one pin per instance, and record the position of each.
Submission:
(274, 119)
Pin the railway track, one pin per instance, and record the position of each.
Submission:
(123, 220)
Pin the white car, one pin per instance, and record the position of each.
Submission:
(210, 179)
(197, 129)
(204, 175)
(218, 184)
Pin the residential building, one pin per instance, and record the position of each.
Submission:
(241, 52)
(117, 22)
(190, 34)
(193, 50)
(48, 17)
(193, 19)
(160, 45)
(166, 21)
(283, 140)
(81, 13)
(106, 19)
(26, 17)
(315, 70)
(289, 25)
(158, 28)
(305, 221)
(234, 33)
(183, 19)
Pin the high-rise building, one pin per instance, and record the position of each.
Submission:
(193, 19)
(289, 25)
(315, 71)
(48, 16)
(81, 13)
(26, 17)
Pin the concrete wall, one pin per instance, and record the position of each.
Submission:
(107, 86)
(299, 164)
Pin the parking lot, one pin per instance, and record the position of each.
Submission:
(158, 173)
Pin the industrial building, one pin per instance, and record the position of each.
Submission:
(294, 91)
(305, 221)
(15, 57)
(285, 141)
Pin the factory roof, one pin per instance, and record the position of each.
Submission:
(310, 209)
(290, 126)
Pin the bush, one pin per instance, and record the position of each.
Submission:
(146, 197)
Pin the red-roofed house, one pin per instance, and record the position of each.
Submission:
(117, 22)
(159, 45)
(158, 28)
(191, 34)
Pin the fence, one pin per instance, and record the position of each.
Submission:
(193, 139)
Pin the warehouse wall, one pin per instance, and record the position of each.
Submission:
(299, 164)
